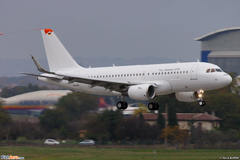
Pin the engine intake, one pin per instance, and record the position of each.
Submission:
(141, 92)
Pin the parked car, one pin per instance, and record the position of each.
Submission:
(51, 142)
(87, 142)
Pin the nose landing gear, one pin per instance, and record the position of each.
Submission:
(200, 97)
(201, 103)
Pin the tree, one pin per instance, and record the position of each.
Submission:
(8, 92)
(161, 120)
(77, 104)
(55, 122)
(172, 117)
(174, 134)
(6, 124)
(135, 128)
(105, 124)
(142, 109)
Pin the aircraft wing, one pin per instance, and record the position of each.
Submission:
(111, 85)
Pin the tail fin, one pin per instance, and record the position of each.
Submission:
(57, 55)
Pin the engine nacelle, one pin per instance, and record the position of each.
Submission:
(141, 92)
(188, 96)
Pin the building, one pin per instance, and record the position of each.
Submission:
(32, 103)
(222, 48)
(204, 120)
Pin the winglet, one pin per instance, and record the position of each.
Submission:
(39, 67)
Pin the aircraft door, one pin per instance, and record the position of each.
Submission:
(194, 69)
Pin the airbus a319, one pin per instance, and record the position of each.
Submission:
(186, 81)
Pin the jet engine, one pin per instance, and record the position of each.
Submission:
(189, 96)
(141, 92)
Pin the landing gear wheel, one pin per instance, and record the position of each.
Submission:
(201, 103)
(125, 105)
(119, 105)
(122, 105)
(153, 106)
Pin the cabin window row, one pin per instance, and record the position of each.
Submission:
(139, 74)
(175, 72)
(118, 75)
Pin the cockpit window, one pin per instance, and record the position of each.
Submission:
(212, 70)
(218, 70)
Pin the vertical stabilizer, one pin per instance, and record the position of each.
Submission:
(57, 55)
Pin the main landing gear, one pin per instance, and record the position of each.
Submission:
(123, 105)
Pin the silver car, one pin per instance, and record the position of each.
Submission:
(87, 142)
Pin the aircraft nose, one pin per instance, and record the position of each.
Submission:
(227, 79)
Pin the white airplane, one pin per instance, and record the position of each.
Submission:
(187, 81)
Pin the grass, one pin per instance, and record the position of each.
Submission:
(84, 153)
